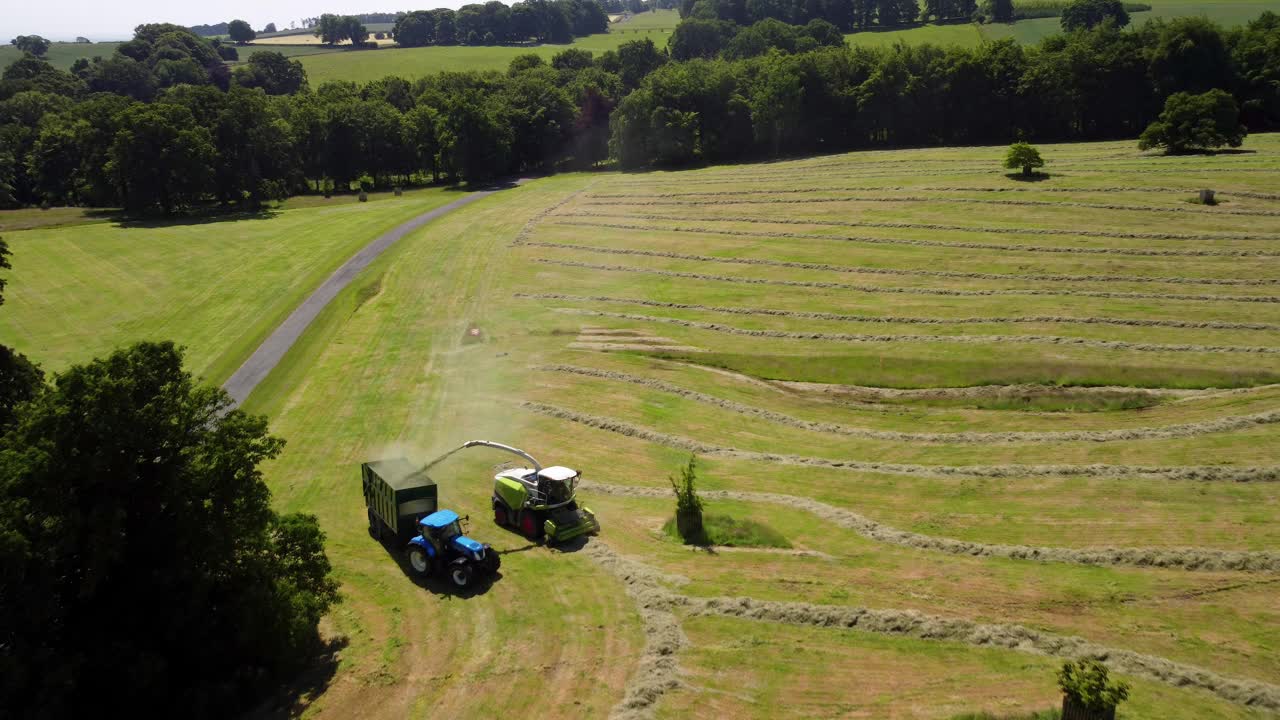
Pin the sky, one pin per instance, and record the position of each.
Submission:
(102, 20)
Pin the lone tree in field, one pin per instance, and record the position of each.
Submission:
(240, 32)
(688, 504)
(33, 44)
(142, 568)
(270, 28)
(1195, 122)
(1023, 155)
(1087, 692)
(1085, 14)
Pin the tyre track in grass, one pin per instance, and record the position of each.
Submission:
(1205, 473)
(1181, 558)
(909, 290)
(267, 355)
(1183, 430)
(660, 601)
(955, 339)
(896, 320)
(863, 270)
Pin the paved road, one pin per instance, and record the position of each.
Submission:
(268, 355)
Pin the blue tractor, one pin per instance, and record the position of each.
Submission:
(443, 548)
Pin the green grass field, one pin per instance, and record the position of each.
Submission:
(883, 358)
(218, 287)
(1226, 13)
(61, 54)
(367, 65)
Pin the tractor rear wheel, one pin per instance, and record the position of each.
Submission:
(461, 574)
(419, 561)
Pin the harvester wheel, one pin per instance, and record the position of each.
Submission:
(499, 515)
(529, 525)
(419, 561)
(460, 574)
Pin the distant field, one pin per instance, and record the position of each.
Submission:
(218, 287)
(366, 65)
(62, 55)
(1228, 13)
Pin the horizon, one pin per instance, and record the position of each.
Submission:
(64, 21)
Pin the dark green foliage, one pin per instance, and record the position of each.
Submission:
(697, 38)
(1195, 122)
(33, 44)
(138, 549)
(415, 29)
(1085, 14)
(333, 29)
(161, 158)
(1086, 682)
(1191, 55)
(273, 72)
(270, 28)
(240, 32)
(1256, 53)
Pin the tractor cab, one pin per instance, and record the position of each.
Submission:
(442, 545)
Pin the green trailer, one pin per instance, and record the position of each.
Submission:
(397, 494)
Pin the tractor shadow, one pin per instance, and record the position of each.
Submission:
(436, 583)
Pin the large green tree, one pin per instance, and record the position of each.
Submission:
(161, 158)
(20, 379)
(142, 569)
(1085, 14)
(33, 44)
(240, 32)
(1195, 122)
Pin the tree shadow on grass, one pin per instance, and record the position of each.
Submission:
(1208, 152)
(1033, 177)
(194, 217)
(296, 695)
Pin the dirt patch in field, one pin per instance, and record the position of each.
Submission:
(1152, 472)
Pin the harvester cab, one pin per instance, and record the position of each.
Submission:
(443, 547)
(542, 502)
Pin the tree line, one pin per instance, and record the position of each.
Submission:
(163, 124)
(1093, 84)
(492, 23)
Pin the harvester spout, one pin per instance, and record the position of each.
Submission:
(484, 443)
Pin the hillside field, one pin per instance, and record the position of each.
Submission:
(367, 65)
(998, 422)
(61, 54)
(1223, 12)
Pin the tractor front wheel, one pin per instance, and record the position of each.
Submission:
(492, 561)
(419, 561)
(461, 574)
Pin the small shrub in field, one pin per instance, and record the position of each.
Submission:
(1025, 156)
(688, 504)
(1085, 684)
(731, 532)
(1195, 122)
